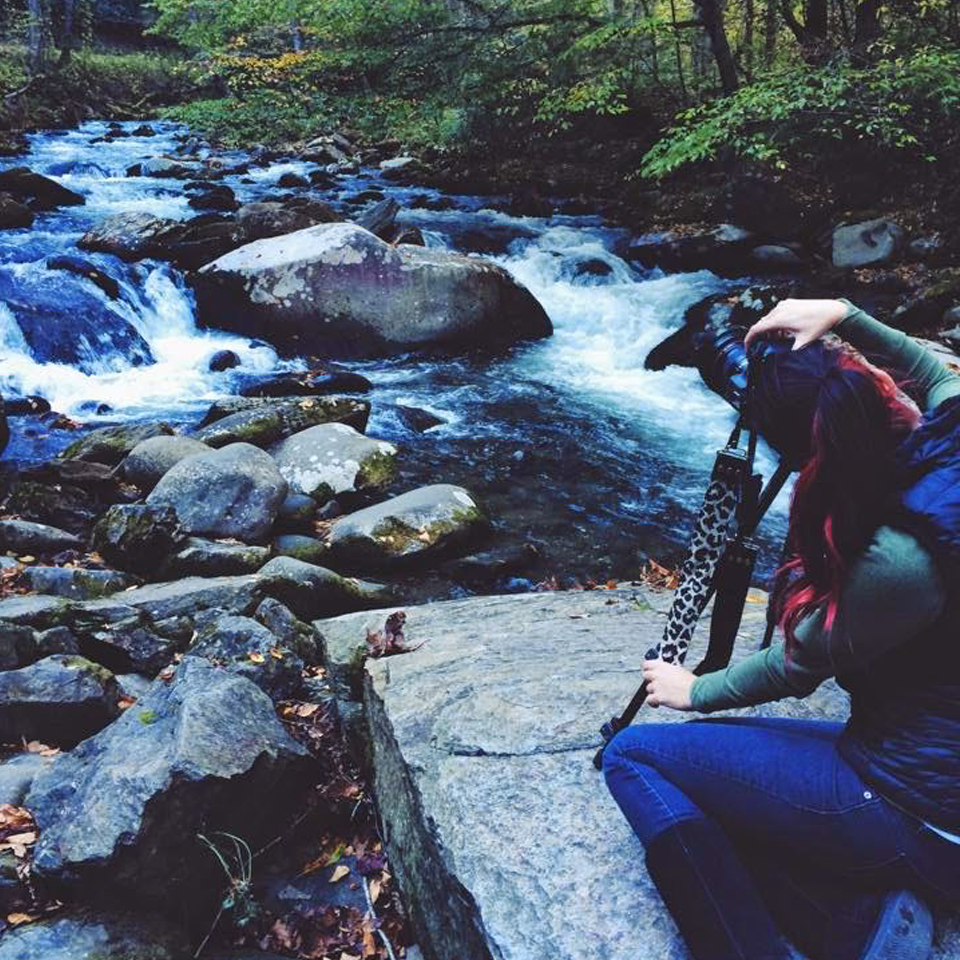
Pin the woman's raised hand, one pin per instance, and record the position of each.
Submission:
(668, 684)
(804, 320)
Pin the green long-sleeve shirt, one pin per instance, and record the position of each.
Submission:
(893, 591)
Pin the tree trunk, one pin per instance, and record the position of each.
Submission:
(770, 25)
(678, 51)
(748, 17)
(37, 29)
(68, 26)
(866, 23)
(711, 16)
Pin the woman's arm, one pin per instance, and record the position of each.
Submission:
(893, 594)
(922, 373)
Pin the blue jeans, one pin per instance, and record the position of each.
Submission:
(823, 846)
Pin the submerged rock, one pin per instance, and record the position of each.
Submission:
(223, 360)
(334, 458)
(87, 270)
(411, 529)
(121, 813)
(58, 700)
(337, 290)
(232, 492)
(39, 192)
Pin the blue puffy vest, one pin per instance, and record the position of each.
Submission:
(904, 731)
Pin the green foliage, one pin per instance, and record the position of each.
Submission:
(907, 105)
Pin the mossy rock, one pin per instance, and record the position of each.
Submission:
(110, 445)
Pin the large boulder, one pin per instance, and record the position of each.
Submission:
(130, 236)
(337, 290)
(121, 813)
(138, 536)
(14, 214)
(476, 735)
(232, 492)
(150, 459)
(411, 529)
(867, 244)
(724, 249)
(333, 458)
(94, 936)
(37, 191)
(59, 700)
(165, 167)
(110, 445)
(89, 271)
(266, 421)
(188, 598)
(271, 219)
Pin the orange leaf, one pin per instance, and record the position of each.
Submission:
(257, 658)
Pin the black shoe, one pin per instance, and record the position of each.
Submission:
(904, 929)
(711, 896)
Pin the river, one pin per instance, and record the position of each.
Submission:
(572, 445)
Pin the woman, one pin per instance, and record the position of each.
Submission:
(836, 835)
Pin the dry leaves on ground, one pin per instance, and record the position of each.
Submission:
(18, 832)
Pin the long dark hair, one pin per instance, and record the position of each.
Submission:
(839, 419)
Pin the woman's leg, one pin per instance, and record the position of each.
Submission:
(783, 784)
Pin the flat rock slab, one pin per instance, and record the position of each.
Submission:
(503, 836)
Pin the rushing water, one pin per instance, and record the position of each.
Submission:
(572, 444)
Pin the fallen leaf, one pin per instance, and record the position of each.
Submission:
(126, 702)
(375, 888)
(18, 919)
(276, 653)
(257, 657)
(35, 746)
(339, 873)
(27, 559)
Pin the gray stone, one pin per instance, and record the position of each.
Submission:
(338, 290)
(14, 214)
(56, 640)
(233, 492)
(291, 632)
(89, 936)
(777, 258)
(138, 536)
(16, 775)
(298, 511)
(35, 611)
(415, 527)
(121, 813)
(164, 167)
(59, 700)
(923, 248)
(130, 236)
(148, 461)
(216, 558)
(268, 420)
(477, 734)
(247, 648)
(41, 192)
(308, 549)
(193, 595)
(134, 685)
(867, 244)
(110, 445)
(130, 648)
(311, 591)
(18, 646)
(295, 414)
(76, 583)
(25, 537)
(333, 458)
(271, 219)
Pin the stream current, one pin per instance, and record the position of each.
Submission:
(569, 441)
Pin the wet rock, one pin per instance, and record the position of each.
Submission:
(298, 511)
(164, 167)
(311, 591)
(87, 270)
(75, 583)
(26, 406)
(130, 236)
(130, 648)
(411, 529)
(290, 180)
(365, 196)
(250, 650)
(309, 385)
(36, 538)
(232, 492)
(223, 360)
(18, 647)
(417, 419)
(16, 775)
(150, 459)
(723, 249)
(412, 236)
(271, 219)
(334, 458)
(214, 197)
(138, 536)
(266, 423)
(144, 130)
(110, 445)
(57, 700)
(14, 214)
(337, 290)
(867, 244)
(308, 549)
(380, 219)
(211, 558)
(200, 240)
(38, 192)
(121, 813)
(94, 936)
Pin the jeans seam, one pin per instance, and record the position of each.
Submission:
(671, 815)
(726, 775)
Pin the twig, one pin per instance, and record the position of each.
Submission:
(17, 93)
(376, 920)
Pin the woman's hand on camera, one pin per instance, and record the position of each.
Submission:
(668, 684)
(804, 320)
